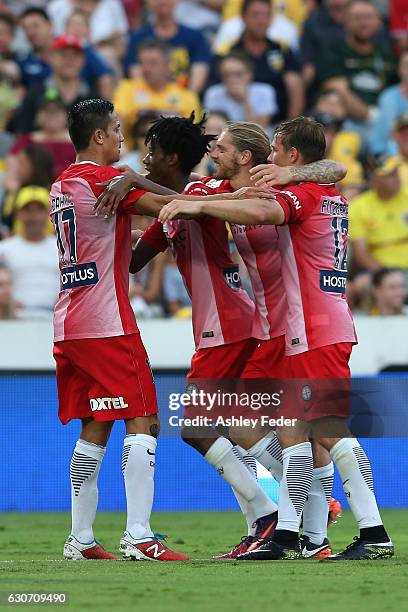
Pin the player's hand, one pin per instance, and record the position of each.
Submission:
(116, 189)
(246, 193)
(268, 175)
(136, 234)
(180, 209)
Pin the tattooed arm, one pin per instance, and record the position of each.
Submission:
(322, 171)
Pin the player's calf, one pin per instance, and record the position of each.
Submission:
(199, 438)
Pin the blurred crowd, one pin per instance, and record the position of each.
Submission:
(344, 62)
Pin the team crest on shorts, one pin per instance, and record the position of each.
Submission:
(192, 388)
(306, 393)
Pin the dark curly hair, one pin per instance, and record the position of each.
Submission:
(182, 137)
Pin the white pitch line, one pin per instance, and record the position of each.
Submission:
(34, 561)
(68, 560)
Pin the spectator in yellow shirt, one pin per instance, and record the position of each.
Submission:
(379, 222)
(154, 90)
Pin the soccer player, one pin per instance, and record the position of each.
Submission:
(312, 226)
(222, 310)
(258, 246)
(103, 372)
(239, 148)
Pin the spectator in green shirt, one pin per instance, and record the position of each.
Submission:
(359, 68)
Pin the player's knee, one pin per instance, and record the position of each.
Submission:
(290, 436)
(96, 432)
(148, 425)
(327, 443)
(246, 436)
(155, 429)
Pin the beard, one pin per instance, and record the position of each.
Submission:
(227, 171)
(362, 39)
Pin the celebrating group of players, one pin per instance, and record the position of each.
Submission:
(293, 240)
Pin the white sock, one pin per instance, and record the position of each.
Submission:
(355, 471)
(138, 461)
(222, 456)
(316, 509)
(295, 485)
(84, 470)
(249, 461)
(246, 507)
(269, 453)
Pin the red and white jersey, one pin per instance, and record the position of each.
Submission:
(313, 244)
(222, 310)
(258, 247)
(94, 256)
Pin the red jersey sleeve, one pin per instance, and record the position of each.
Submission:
(297, 201)
(101, 174)
(127, 205)
(107, 173)
(155, 237)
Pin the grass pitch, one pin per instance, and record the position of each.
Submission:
(30, 561)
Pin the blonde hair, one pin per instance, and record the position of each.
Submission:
(247, 136)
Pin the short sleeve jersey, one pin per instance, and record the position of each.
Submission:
(258, 247)
(313, 245)
(94, 255)
(222, 310)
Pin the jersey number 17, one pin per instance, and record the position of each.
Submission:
(65, 226)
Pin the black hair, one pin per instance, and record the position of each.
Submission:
(9, 21)
(239, 56)
(51, 96)
(35, 10)
(379, 275)
(220, 113)
(42, 165)
(183, 137)
(143, 121)
(152, 43)
(326, 119)
(247, 3)
(85, 117)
